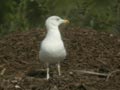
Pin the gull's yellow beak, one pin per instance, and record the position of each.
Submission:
(66, 21)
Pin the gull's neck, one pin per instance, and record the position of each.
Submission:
(53, 33)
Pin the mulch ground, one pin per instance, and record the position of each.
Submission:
(88, 50)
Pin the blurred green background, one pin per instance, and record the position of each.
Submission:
(101, 15)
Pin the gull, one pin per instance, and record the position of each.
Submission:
(52, 50)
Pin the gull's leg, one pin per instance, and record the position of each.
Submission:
(59, 72)
(48, 76)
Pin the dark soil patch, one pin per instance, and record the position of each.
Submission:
(87, 50)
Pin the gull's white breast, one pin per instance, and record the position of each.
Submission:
(52, 50)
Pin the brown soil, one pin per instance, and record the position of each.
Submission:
(21, 69)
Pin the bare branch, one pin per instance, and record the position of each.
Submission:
(91, 72)
(110, 74)
(107, 75)
(3, 71)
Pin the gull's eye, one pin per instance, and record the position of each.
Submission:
(57, 19)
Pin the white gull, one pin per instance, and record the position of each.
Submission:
(52, 48)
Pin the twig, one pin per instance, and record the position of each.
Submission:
(110, 74)
(107, 75)
(91, 72)
(3, 71)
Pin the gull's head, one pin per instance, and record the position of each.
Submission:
(54, 21)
